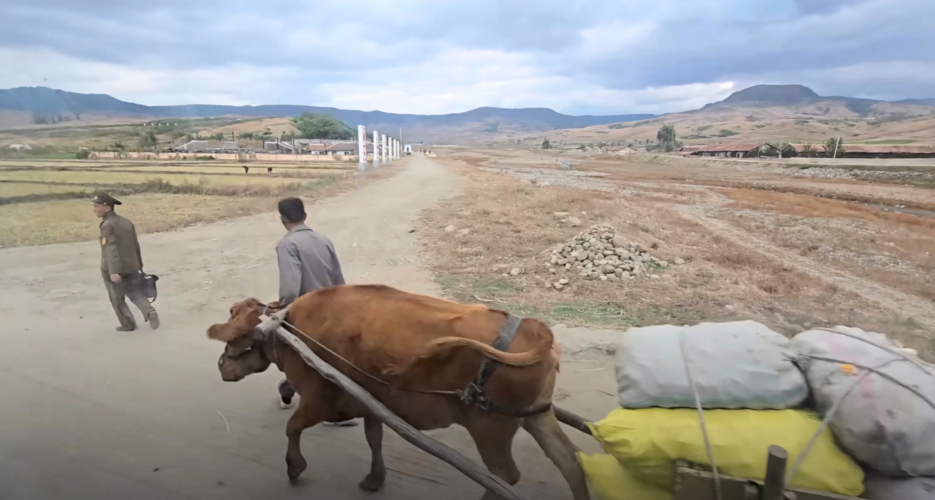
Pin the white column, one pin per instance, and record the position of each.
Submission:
(383, 149)
(396, 148)
(362, 148)
(376, 148)
(399, 145)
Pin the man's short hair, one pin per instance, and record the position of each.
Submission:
(292, 210)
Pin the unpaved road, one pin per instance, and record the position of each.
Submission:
(90, 413)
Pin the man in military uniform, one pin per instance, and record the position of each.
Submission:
(122, 264)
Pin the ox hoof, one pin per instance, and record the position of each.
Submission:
(372, 483)
(295, 467)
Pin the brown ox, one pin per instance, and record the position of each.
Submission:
(411, 343)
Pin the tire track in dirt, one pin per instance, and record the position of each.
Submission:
(906, 305)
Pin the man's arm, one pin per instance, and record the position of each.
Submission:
(111, 255)
(136, 241)
(337, 277)
(290, 272)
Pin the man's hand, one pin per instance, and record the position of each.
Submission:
(115, 278)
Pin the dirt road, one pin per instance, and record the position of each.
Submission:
(90, 413)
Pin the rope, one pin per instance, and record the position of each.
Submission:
(704, 428)
(886, 348)
(867, 371)
(361, 371)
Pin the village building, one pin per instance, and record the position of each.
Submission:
(742, 150)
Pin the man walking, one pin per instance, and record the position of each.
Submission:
(307, 262)
(122, 265)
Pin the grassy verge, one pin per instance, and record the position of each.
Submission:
(512, 225)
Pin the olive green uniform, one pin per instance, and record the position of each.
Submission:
(120, 254)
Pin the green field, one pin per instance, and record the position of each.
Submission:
(103, 177)
(13, 189)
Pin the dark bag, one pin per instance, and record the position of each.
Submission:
(149, 286)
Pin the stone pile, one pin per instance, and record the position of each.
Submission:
(599, 253)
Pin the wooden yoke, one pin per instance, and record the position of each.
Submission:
(466, 466)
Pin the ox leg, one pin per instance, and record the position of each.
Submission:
(305, 416)
(373, 428)
(554, 442)
(494, 439)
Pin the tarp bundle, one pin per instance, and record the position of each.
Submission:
(877, 400)
(741, 364)
(649, 442)
(886, 414)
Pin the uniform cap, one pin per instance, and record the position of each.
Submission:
(102, 198)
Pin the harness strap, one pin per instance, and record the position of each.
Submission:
(474, 394)
(502, 343)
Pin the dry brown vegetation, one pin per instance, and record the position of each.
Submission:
(43, 205)
(512, 225)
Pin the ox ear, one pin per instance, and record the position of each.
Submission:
(245, 315)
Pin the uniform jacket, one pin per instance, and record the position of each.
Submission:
(307, 262)
(120, 249)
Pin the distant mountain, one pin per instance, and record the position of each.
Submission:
(44, 100)
(773, 95)
(920, 102)
(761, 96)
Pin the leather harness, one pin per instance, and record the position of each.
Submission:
(474, 394)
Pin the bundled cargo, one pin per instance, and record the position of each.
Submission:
(878, 487)
(648, 443)
(881, 401)
(739, 364)
(610, 480)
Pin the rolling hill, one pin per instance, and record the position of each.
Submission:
(775, 113)
(477, 123)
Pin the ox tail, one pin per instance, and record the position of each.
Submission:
(535, 355)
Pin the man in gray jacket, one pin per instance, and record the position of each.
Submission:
(307, 262)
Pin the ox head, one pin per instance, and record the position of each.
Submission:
(244, 354)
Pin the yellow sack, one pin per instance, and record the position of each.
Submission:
(610, 480)
(648, 442)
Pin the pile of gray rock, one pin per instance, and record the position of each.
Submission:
(599, 253)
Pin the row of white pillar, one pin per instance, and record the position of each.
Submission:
(385, 149)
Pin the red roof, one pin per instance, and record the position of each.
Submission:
(724, 148)
(816, 148)
(887, 149)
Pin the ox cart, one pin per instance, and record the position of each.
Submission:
(692, 482)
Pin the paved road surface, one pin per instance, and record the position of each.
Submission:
(90, 413)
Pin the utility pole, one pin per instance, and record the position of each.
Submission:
(836, 144)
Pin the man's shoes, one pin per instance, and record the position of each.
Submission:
(343, 423)
(126, 328)
(153, 319)
(285, 403)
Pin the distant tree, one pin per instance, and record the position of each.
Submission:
(148, 140)
(808, 150)
(780, 147)
(40, 119)
(312, 126)
(118, 146)
(546, 144)
(834, 147)
(217, 137)
(582, 147)
(246, 135)
(83, 154)
(667, 139)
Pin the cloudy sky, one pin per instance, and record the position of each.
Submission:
(444, 56)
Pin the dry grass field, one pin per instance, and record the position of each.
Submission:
(815, 123)
(789, 260)
(46, 201)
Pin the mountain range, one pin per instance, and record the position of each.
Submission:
(776, 113)
(46, 101)
(744, 113)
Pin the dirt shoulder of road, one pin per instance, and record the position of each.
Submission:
(505, 220)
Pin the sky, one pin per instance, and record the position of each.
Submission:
(447, 56)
